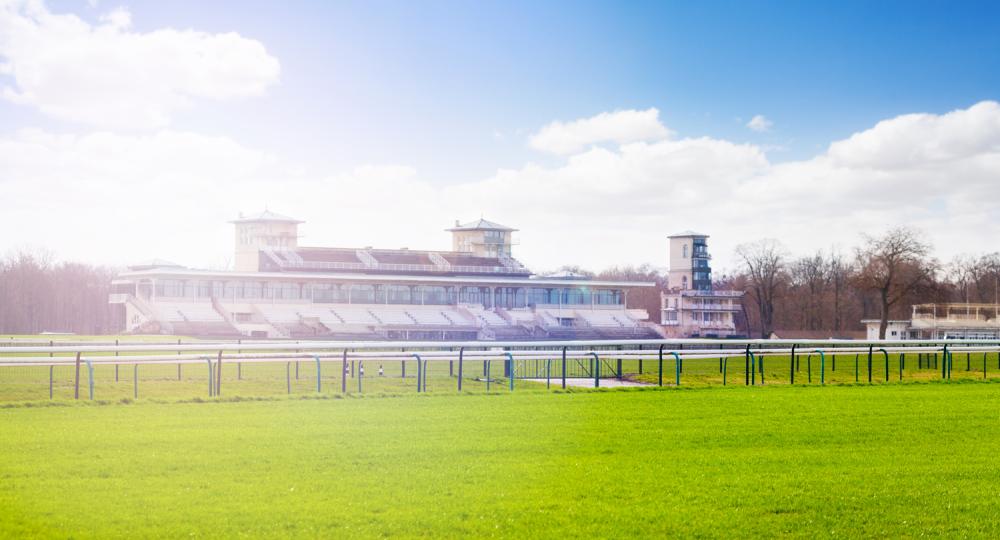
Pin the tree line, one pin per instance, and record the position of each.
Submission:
(40, 295)
(833, 291)
(830, 290)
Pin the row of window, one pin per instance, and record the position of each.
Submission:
(380, 293)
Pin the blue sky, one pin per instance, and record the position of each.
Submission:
(453, 91)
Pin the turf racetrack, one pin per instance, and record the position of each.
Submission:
(892, 460)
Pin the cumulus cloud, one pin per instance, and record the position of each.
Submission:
(168, 194)
(760, 124)
(107, 75)
(626, 126)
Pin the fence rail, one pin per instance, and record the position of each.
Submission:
(391, 366)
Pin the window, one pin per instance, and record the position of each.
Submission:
(685, 249)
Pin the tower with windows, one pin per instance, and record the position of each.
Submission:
(263, 230)
(482, 238)
(691, 307)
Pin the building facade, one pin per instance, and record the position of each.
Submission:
(943, 321)
(691, 307)
(282, 290)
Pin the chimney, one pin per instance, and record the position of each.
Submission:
(457, 223)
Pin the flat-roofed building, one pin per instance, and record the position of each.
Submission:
(280, 289)
(943, 321)
(691, 307)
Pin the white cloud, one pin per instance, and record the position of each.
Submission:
(120, 198)
(108, 76)
(617, 127)
(760, 124)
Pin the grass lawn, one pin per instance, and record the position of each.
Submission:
(890, 460)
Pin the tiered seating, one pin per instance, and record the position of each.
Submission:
(429, 316)
(354, 314)
(280, 313)
(600, 318)
(624, 320)
(522, 316)
(635, 332)
(390, 315)
(320, 312)
(188, 311)
(457, 318)
(486, 317)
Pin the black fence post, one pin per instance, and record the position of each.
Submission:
(791, 367)
(564, 368)
(870, 364)
(660, 377)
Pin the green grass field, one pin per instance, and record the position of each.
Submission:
(891, 460)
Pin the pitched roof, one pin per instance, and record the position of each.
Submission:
(687, 233)
(266, 215)
(479, 225)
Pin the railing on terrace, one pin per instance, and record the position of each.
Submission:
(173, 369)
(398, 267)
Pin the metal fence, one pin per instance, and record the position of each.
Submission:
(35, 369)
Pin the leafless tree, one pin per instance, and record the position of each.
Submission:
(647, 298)
(894, 266)
(839, 271)
(764, 264)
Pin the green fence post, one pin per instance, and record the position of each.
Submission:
(343, 373)
(361, 372)
(319, 373)
(753, 369)
(135, 380)
(486, 369)
(856, 379)
(52, 374)
(822, 367)
(288, 377)
(90, 377)
(548, 373)
(886, 353)
(760, 366)
(809, 368)
(218, 377)
(211, 382)
(597, 370)
(677, 368)
(510, 358)
(76, 379)
(420, 373)
(902, 364)
(725, 368)
(461, 354)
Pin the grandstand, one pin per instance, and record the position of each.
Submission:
(281, 290)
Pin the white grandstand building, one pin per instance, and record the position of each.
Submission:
(281, 290)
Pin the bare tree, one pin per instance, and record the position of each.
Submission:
(894, 266)
(839, 271)
(647, 298)
(764, 264)
(809, 280)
